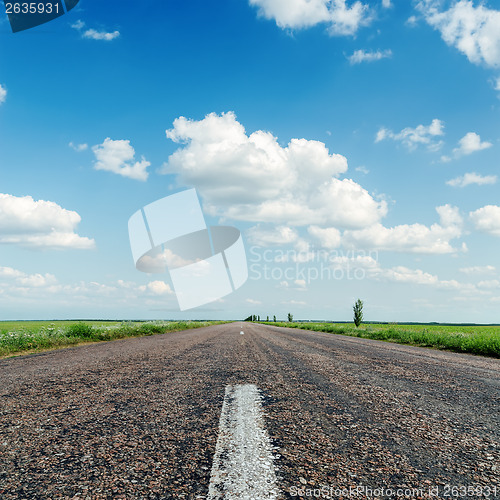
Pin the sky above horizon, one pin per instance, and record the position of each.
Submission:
(354, 144)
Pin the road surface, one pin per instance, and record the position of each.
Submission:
(343, 417)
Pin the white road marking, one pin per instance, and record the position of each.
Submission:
(243, 466)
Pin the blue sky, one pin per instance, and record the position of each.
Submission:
(354, 144)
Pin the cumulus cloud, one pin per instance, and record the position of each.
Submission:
(93, 34)
(39, 224)
(23, 279)
(3, 94)
(474, 31)
(156, 288)
(472, 178)
(280, 235)
(100, 35)
(263, 181)
(329, 237)
(412, 238)
(118, 157)
(360, 56)
(487, 219)
(296, 14)
(387, 4)
(413, 137)
(399, 274)
(470, 143)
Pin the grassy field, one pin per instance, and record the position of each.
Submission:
(477, 339)
(18, 337)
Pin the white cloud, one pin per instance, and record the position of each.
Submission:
(101, 35)
(470, 143)
(412, 21)
(328, 237)
(478, 270)
(3, 94)
(341, 18)
(157, 288)
(487, 219)
(489, 284)
(78, 25)
(78, 147)
(474, 31)
(360, 56)
(412, 238)
(413, 137)
(472, 178)
(93, 34)
(263, 181)
(38, 224)
(118, 157)
(280, 235)
(387, 4)
(27, 280)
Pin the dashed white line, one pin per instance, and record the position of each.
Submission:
(243, 465)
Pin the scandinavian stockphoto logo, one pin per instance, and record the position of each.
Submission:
(205, 263)
(25, 14)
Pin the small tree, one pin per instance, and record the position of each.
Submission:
(267, 319)
(258, 317)
(358, 312)
(274, 318)
(290, 317)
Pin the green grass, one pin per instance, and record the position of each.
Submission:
(477, 339)
(17, 337)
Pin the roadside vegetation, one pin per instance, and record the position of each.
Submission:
(17, 337)
(477, 339)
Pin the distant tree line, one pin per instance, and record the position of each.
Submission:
(357, 314)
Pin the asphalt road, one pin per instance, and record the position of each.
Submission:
(348, 417)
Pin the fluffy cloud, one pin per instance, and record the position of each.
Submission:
(413, 137)
(157, 288)
(118, 157)
(341, 19)
(281, 235)
(412, 238)
(328, 237)
(487, 219)
(264, 182)
(23, 279)
(100, 35)
(470, 143)
(474, 31)
(31, 223)
(93, 34)
(472, 178)
(360, 56)
(3, 94)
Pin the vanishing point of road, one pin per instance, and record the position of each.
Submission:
(343, 417)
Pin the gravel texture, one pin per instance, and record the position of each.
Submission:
(138, 418)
